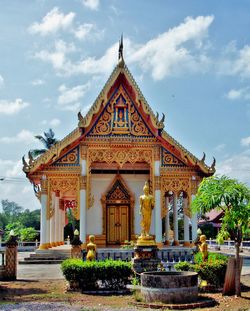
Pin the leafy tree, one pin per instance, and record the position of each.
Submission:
(233, 198)
(30, 218)
(48, 140)
(15, 226)
(11, 210)
(28, 234)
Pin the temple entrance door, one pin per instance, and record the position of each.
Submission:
(117, 224)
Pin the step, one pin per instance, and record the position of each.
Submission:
(40, 262)
(44, 259)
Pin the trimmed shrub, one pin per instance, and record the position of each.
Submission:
(212, 257)
(213, 271)
(183, 266)
(94, 275)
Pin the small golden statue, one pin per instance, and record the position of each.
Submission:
(203, 248)
(146, 206)
(91, 248)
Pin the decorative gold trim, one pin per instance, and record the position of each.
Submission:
(130, 202)
(83, 182)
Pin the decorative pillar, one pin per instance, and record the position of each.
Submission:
(82, 205)
(10, 270)
(175, 219)
(52, 222)
(57, 218)
(167, 225)
(186, 221)
(48, 231)
(194, 222)
(43, 222)
(61, 209)
(158, 222)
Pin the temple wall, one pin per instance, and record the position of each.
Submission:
(99, 185)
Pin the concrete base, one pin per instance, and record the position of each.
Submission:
(145, 258)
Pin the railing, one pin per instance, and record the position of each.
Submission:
(169, 257)
(228, 244)
(23, 246)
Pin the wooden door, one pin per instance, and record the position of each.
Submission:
(117, 224)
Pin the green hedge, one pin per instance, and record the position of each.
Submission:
(94, 275)
(213, 271)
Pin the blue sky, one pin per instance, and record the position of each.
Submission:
(191, 60)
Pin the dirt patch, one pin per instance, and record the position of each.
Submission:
(54, 291)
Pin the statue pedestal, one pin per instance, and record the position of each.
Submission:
(145, 257)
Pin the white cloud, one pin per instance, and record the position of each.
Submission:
(245, 141)
(70, 96)
(37, 82)
(8, 107)
(58, 57)
(24, 136)
(1, 81)
(83, 31)
(220, 147)
(179, 49)
(15, 179)
(91, 4)
(167, 54)
(55, 122)
(53, 22)
(242, 93)
(236, 166)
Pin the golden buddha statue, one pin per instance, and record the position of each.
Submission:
(91, 248)
(146, 207)
(203, 248)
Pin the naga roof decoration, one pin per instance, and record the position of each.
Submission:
(118, 94)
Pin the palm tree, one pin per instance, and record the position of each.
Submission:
(48, 141)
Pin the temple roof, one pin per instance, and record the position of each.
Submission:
(120, 73)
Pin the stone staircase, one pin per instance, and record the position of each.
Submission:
(54, 255)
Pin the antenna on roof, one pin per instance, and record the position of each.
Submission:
(120, 53)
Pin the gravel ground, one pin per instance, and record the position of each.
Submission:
(33, 306)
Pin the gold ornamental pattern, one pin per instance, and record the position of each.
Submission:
(120, 156)
(63, 185)
(176, 184)
(120, 117)
(103, 127)
(169, 159)
(70, 158)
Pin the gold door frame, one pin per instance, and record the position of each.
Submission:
(118, 197)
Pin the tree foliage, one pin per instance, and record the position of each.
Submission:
(233, 198)
(48, 140)
(13, 217)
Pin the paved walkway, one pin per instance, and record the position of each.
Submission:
(53, 271)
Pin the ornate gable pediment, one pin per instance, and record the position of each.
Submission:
(71, 158)
(120, 117)
(118, 192)
(168, 159)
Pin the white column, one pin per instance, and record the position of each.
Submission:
(158, 222)
(167, 225)
(63, 224)
(194, 222)
(43, 223)
(52, 222)
(48, 233)
(186, 222)
(57, 216)
(175, 219)
(59, 224)
(83, 224)
(83, 213)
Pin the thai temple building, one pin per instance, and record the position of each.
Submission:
(99, 170)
